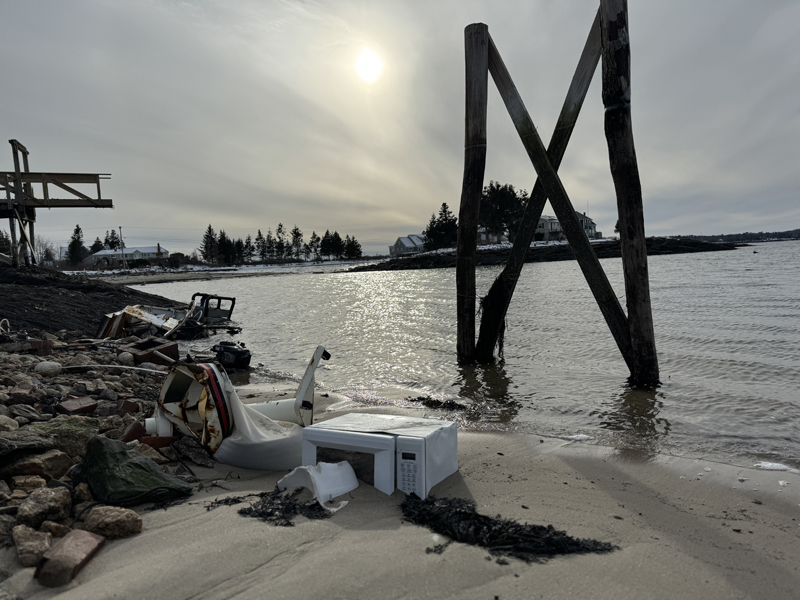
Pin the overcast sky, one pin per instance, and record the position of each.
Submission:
(249, 113)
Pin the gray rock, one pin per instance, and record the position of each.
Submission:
(79, 360)
(49, 465)
(45, 504)
(48, 368)
(109, 394)
(26, 440)
(7, 523)
(31, 545)
(7, 423)
(28, 483)
(125, 358)
(70, 433)
(24, 411)
(113, 522)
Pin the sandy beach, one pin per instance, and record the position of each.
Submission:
(684, 529)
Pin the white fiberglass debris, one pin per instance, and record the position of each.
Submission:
(771, 466)
(579, 438)
(783, 483)
(325, 480)
(707, 470)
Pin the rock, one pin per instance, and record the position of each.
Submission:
(116, 476)
(128, 406)
(134, 431)
(48, 368)
(24, 411)
(25, 440)
(109, 423)
(50, 465)
(109, 394)
(17, 496)
(7, 423)
(4, 489)
(70, 433)
(125, 358)
(79, 360)
(31, 544)
(148, 451)
(191, 449)
(62, 562)
(113, 522)
(7, 523)
(22, 421)
(149, 365)
(83, 405)
(28, 483)
(45, 504)
(55, 529)
(82, 494)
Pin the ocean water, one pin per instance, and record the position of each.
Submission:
(727, 332)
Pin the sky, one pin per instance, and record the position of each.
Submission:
(246, 114)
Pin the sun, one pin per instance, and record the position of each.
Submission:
(369, 66)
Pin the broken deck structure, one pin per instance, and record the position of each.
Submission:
(21, 200)
(634, 335)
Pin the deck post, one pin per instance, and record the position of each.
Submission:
(476, 48)
(625, 173)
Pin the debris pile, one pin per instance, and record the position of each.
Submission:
(457, 519)
(71, 421)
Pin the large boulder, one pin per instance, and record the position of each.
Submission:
(7, 423)
(113, 522)
(70, 433)
(50, 465)
(26, 439)
(116, 476)
(45, 504)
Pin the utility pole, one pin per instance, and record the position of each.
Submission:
(122, 249)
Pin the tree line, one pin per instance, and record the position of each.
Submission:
(281, 246)
(501, 212)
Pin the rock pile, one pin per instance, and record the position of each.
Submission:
(50, 408)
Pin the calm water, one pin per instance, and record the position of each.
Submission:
(727, 331)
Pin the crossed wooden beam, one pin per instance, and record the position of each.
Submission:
(633, 334)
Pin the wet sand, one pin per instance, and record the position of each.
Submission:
(684, 528)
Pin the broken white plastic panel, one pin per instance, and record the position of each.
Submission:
(325, 480)
(412, 454)
(158, 425)
(382, 446)
(299, 409)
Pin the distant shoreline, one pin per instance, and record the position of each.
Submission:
(499, 256)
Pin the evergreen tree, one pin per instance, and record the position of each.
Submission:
(96, 246)
(501, 209)
(352, 249)
(112, 240)
(280, 241)
(326, 244)
(238, 251)
(297, 242)
(209, 247)
(226, 250)
(314, 245)
(442, 231)
(270, 244)
(261, 246)
(249, 249)
(75, 251)
(337, 245)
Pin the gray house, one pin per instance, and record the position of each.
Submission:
(411, 244)
(549, 229)
(114, 257)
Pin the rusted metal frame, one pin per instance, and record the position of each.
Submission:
(476, 37)
(496, 302)
(553, 187)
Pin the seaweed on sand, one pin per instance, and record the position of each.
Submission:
(275, 507)
(458, 519)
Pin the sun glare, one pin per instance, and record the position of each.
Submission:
(369, 66)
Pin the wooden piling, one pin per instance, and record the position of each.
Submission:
(495, 304)
(625, 173)
(554, 189)
(476, 46)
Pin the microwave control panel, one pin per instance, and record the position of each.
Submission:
(410, 464)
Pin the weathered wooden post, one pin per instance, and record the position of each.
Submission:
(625, 172)
(476, 46)
(496, 302)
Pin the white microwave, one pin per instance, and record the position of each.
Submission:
(410, 454)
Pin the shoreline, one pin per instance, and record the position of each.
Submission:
(678, 535)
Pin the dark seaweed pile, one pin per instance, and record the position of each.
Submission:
(275, 507)
(458, 519)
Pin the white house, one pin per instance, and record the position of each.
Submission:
(114, 257)
(549, 228)
(411, 244)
